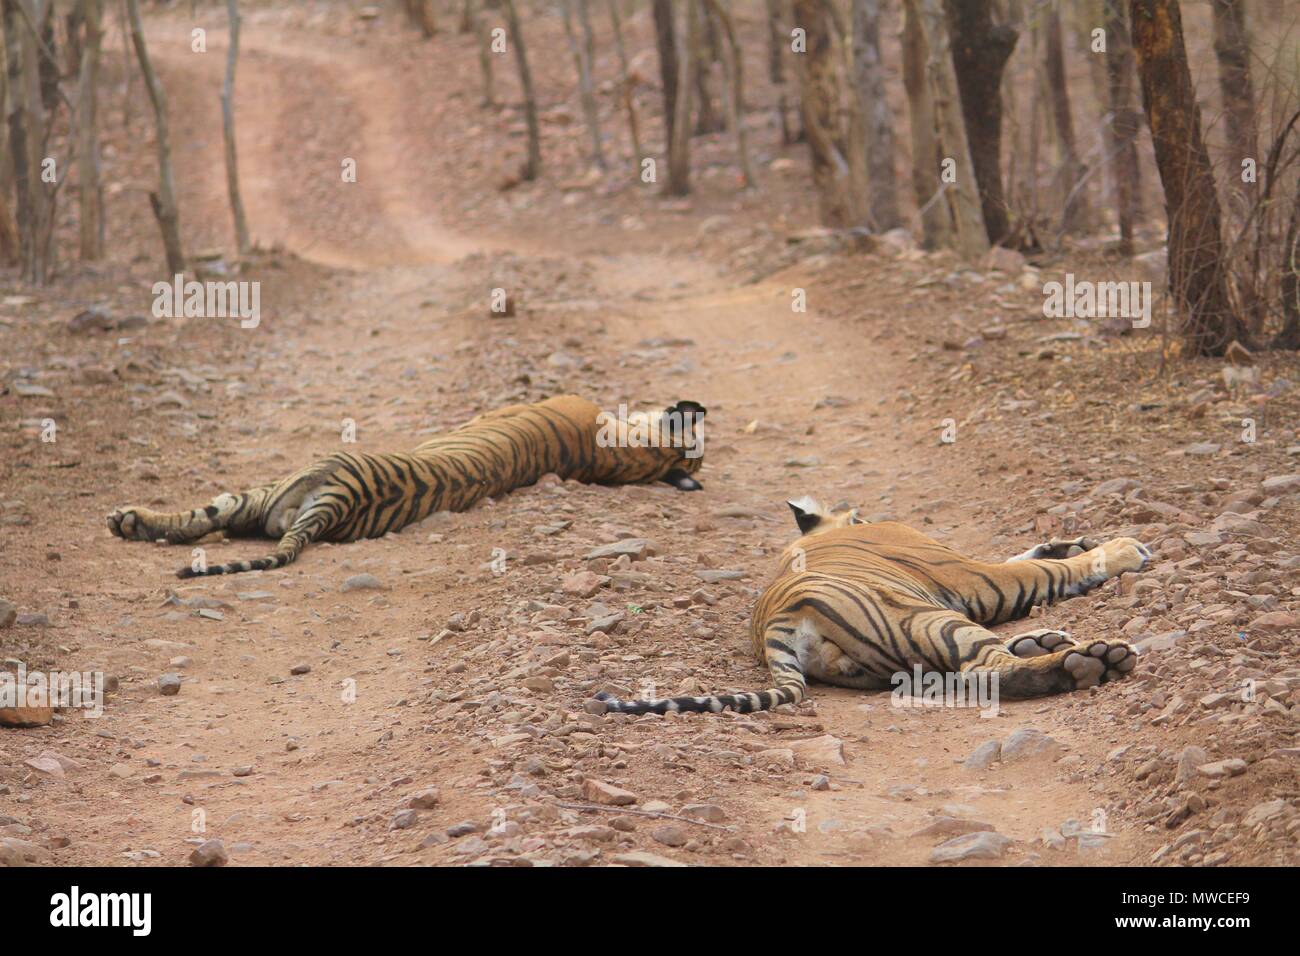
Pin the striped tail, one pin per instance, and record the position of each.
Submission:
(790, 688)
(305, 530)
(740, 703)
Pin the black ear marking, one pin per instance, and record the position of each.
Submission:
(687, 407)
(804, 518)
(682, 481)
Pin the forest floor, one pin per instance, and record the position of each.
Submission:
(438, 717)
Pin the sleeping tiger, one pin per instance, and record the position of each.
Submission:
(349, 496)
(854, 604)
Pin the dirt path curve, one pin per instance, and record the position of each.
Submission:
(307, 767)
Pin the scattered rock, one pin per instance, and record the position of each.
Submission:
(671, 834)
(635, 548)
(169, 685)
(1234, 767)
(824, 751)
(982, 845)
(597, 791)
(362, 582)
(209, 853)
(983, 755)
(403, 820)
(1027, 742)
(641, 858)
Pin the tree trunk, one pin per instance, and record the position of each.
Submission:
(666, 41)
(735, 66)
(1289, 336)
(1074, 218)
(1196, 276)
(533, 165)
(91, 223)
(27, 133)
(877, 120)
(963, 192)
(48, 56)
(707, 118)
(421, 14)
(163, 201)
(979, 55)
(228, 132)
(12, 143)
(1125, 122)
(679, 147)
(819, 106)
(582, 66)
(126, 65)
(1232, 48)
(777, 40)
(480, 25)
(936, 222)
(627, 85)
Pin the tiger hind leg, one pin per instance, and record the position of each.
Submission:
(1072, 666)
(318, 516)
(235, 514)
(973, 651)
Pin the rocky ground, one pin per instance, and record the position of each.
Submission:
(423, 698)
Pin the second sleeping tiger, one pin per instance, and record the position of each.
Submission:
(348, 496)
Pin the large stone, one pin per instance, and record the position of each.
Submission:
(209, 853)
(1281, 484)
(642, 858)
(982, 845)
(1263, 812)
(634, 548)
(1276, 621)
(823, 751)
(983, 755)
(597, 791)
(1233, 767)
(952, 826)
(1028, 742)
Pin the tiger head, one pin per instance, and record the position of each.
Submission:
(813, 517)
(665, 445)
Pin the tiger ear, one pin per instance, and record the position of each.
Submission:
(689, 408)
(807, 513)
(854, 519)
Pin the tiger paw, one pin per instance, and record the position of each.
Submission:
(1120, 555)
(1039, 642)
(1057, 549)
(1097, 662)
(134, 524)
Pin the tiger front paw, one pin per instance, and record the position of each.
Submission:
(129, 523)
(1121, 555)
(1057, 549)
(1090, 663)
